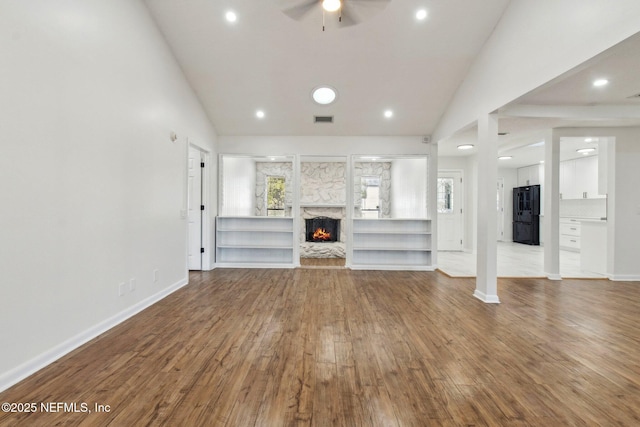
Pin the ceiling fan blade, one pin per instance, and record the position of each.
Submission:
(299, 10)
(356, 11)
(348, 17)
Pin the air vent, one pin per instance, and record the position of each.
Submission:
(503, 133)
(323, 119)
(637, 95)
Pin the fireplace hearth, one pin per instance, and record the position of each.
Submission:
(322, 229)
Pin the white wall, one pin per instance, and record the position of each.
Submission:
(409, 188)
(510, 177)
(238, 186)
(562, 33)
(322, 145)
(93, 191)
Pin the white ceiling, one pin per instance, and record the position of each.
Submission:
(268, 61)
(619, 65)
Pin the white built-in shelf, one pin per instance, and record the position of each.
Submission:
(254, 241)
(322, 205)
(392, 244)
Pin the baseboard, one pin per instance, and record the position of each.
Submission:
(489, 299)
(30, 367)
(624, 277)
(553, 276)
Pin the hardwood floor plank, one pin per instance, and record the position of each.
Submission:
(333, 347)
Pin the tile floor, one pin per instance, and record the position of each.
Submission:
(514, 260)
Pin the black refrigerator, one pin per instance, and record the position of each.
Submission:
(526, 215)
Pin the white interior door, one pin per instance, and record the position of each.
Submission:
(195, 209)
(450, 220)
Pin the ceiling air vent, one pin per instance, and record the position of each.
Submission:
(323, 119)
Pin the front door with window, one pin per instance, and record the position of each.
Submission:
(449, 199)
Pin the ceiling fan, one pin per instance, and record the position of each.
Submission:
(347, 12)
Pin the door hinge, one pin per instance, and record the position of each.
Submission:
(201, 164)
(460, 241)
(201, 207)
(460, 210)
(201, 250)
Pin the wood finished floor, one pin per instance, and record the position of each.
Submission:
(311, 347)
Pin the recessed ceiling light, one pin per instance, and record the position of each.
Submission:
(388, 114)
(231, 16)
(586, 151)
(324, 95)
(505, 157)
(260, 114)
(421, 14)
(331, 5)
(465, 147)
(600, 82)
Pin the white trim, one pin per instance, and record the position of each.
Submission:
(624, 277)
(30, 367)
(256, 265)
(489, 299)
(207, 243)
(553, 276)
(393, 267)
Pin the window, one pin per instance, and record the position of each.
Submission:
(445, 195)
(370, 186)
(275, 195)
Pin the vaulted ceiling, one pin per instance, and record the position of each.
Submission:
(271, 62)
(267, 61)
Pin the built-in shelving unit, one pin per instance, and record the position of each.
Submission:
(254, 241)
(392, 244)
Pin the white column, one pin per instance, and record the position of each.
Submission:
(487, 247)
(432, 209)
(552, 205)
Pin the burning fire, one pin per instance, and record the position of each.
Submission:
(321, 234)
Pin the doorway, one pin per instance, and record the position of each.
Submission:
(197, 246)
(450, 220)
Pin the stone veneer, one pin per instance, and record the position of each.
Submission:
(265, 169)
(323, 183)
(381, 169)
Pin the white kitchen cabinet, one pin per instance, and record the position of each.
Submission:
(579, 178)
(587, 177)
(570, 234)
(567, 180)
(531, 175)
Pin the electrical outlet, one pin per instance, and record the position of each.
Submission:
(132, 284)
(155, 276)
(122, 289)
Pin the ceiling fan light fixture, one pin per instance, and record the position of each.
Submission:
(331, 5)
(586, 151)
(324, 95)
